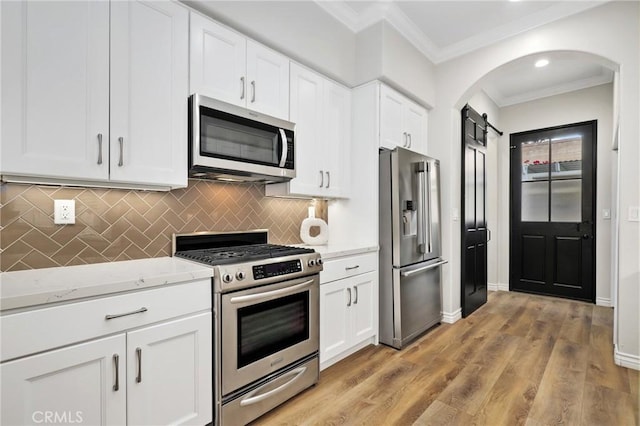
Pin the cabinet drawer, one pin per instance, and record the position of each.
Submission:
(47, 328)
(335, 269)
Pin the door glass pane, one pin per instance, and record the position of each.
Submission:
(535, 201)
(470, 188)
(480, 173)
(566, 200)
(566, 173)
(566, 157)
(535, 181)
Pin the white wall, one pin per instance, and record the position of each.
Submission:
(595, 103)
(484, 104)
(610, 34)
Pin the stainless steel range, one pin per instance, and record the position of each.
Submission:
(266, 319)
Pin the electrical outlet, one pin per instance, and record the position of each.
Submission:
(606, 214)
(64, 212)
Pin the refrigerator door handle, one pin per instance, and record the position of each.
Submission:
(421, 170)
(423, 268)
(430, 219)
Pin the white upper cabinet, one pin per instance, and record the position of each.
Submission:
(402, 122)
(149, 90)
(95, 93)
(227, 66)
(55, 89)
(321, 110)
(218, 61)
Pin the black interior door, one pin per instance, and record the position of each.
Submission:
(474, 223)
(553, 175)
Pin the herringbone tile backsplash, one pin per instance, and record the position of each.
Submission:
(114, 224)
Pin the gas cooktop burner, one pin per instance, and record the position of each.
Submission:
(228, 255)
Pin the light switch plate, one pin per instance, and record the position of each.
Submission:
(606, 214)
(64, 212)
(634, 214)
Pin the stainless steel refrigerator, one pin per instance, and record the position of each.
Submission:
(410, 246)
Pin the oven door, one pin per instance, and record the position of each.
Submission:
(266, 328)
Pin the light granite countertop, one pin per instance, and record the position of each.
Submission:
(22, 289)
(331, 251)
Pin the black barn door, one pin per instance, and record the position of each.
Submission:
(552, 211)
(474, 223)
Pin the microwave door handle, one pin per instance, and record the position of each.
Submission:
(285, 148)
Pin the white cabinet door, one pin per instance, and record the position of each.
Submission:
(267, 81)
(364, 308)
(76, 384)
(334, 320)
(169, 373)
(149, 90)
(392, 133)
(336, 141)
(55, 89)
(306, 112)
(415, 119)
(218, 61)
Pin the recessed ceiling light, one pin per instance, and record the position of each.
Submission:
(542, 63)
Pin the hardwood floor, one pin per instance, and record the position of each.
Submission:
(519, 360)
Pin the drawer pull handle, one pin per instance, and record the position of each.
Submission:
(351, 268)
(116, 362)
(139, 356)
(138, 311)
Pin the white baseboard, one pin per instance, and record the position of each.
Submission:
(603, 301)
(497, 287)
(451, 317)
(626, 360)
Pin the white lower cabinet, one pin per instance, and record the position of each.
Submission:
(153, 368)
(75, 384)
(348, 314)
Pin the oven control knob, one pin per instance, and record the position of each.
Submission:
(241, 275)
(319, 261)
(227, 278)
(311, 262)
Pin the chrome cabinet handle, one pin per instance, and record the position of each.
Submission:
(139, 357)
(409, 139)
(242, 85)
(349, 302)
(121, 161)
(137, 311)
(116, 363)
(404, 144)
(355, 297)
(253, 93)
(328, 180)
(349, 268)
(99, 148)
(251, 399)
(321, 179)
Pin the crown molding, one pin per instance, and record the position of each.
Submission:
(585, 83)
(391, 13)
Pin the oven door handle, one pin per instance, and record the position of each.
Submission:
(270, 294)
(250, 399)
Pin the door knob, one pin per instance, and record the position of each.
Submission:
(586, 236)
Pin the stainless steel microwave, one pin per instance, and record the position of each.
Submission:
(228, 142)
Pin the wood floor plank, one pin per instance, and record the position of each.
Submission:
(559, 397)
(509, 401)
(576, 326)
(603, 315)
(603, 406)
(441, 414)
(602, 369)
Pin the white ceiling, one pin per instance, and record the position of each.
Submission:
(443, 30)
